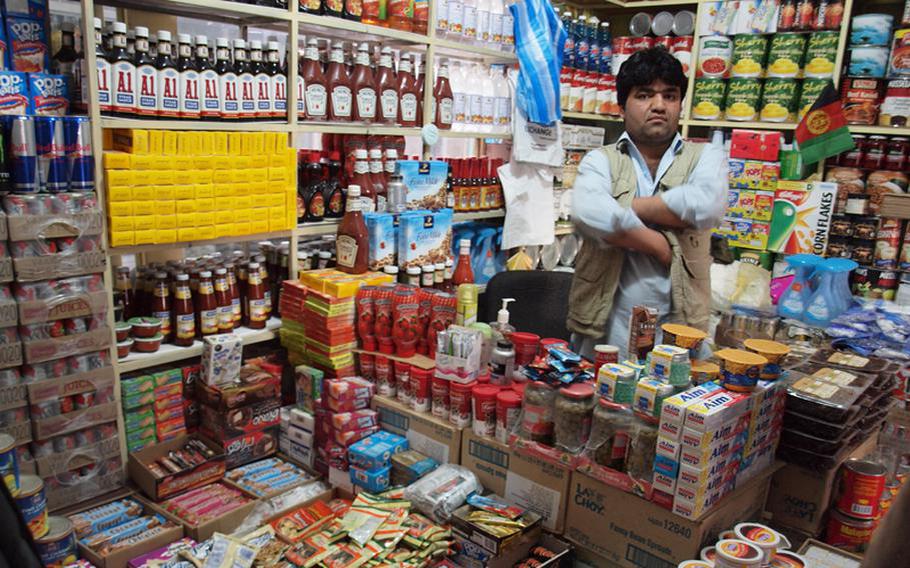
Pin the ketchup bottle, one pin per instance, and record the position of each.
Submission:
(464, 274)
(339, 85)
(364, 86)
(184, 315)
(363, 181)
(388, 87)
(234, 291)
(206, 305)
(407, 92)
(223, 299)
(315, 81)
(257, 310)
(161, 303)
(352, 245)
(442, 97)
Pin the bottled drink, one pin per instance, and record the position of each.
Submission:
(463, 274)
(455, 18)
(407, 92)
(581, 43)
(168, 90)
(184, 316)
(606, 48)
(209, 81)
(206, 305)
(125, 296)
(102, 75)
(227, 81)
(568, 57)
(469, 28)
(234, 291)
(161, 303)
(483, 22)
(388, 87)
(442, 18)
(593, 45)
(352, 243)
(443, 99)
(146, 76)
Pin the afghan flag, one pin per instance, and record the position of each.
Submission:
(823, 130)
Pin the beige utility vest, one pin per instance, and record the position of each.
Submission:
(598, 265)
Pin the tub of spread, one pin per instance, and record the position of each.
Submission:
(787, 559)
(773, 351)
(740, 370)
(704, 371)
(683, 336)
(708, 554)
(766, 539)
(734, 553)
(695, 564)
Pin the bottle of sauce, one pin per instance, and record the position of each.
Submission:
(223, 300)
(262, 82)
(161, 303)
(388, 87)
(146, 76)
(245, 81)
(420, 79)
(339, 85)
(353, 10)
(278, 82)
(407, 92)
(257, 307)
(352, 244)
(463, 274)
(184, 315)
(391, 158)
(209, 82)
(234, 292)
(264, 278)
(64, 61)
(444, 101)
(168, 101)
(377, 176)
(125, 296)
(227, 81)
(421, 16)
(364, 86)
(188, 79)
(312, 193)
(363, 181)
(333, 194)
(102, 73)
(206, 305)
(315, 93)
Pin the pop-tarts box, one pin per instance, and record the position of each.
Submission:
(48, 95)
(13, 93)
(711, 411)
(28, 41)
(674, 408)
(30, 8)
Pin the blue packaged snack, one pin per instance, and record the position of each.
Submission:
(48, 95)
(871, 29)
(381, 232)
(13, 93)
(27, 38)
(370, 479)
(29, 8)
(868, 62)
(564, 355)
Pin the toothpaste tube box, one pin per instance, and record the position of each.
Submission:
(704, 442)
(666, 461)
(712, 411)
(674, 408)
(665, 483)
(13, 93)
(28, 40)
(48, 95)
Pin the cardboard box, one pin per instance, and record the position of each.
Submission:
(802, 217)
(65, 495)
(72, 421)
(59, 347)
(799, 497)
(623, 529)
(13, 396)
(6, 269)
(75, 305)
(221, 424)
(223, 397)
(61, 462)
(540, 485)
(478, 548)
(161, 488)
(120, 558)
(32, 268)
(21, 432)
(426, 433)
(52, 389)
(489, 460)
(10, 355)
(31, 227)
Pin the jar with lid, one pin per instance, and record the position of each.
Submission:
(853, 158)
(572, 416)
(413, 276)
(610, 428)
(874, 155)
(537, 412)
(896, 153)
(642, 448)
(428, 272)
(391, 271)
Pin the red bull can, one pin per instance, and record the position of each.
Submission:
(51, 149)
(23, 155)
(64, 203)
(89, 244)
(80, 154)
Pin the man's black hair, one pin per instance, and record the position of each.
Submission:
(645, 67)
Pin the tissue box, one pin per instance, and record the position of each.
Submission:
(221, 358)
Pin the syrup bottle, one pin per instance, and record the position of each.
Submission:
(332, 192)
(161, 303)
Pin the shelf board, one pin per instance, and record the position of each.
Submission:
(327, 227)
(460, 134)
(139, 249)
(591, 117)
(151, 124)
(734, 124)
(355, 31)
(218, 10)
(459, 217)
(170, 353)
(451, 48)
(885, 130)
(356, 128)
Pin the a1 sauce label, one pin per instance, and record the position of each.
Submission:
(247, 85)
(230, 98)
(279, 96)
(124, 93)
(146, 90)
(188, 90)
(264, 101)
(168, 92)
(209, 90)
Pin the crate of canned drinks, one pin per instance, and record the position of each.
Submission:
(49, 155)
(57, 258)
(54, 389)
(80, 483)
(53, 418)
(60, 300)
(65, 452)
(59, 217)
(9, 315)
(84, 337)
(16, 423)
(10, 355)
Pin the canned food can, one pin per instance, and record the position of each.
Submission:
(106, 431)
(51, 152)
(708, 98)
(749, 55)
(67, 245)
(821, 52)
(848, 533)
(871, 29)
(899, 61)
(779, 97)
(80, 154)
(895, 109)
(8, 336)
(32, 504)
(64, 443)
(640, 24)
(84, 400)
(681, 48)
(887, 244)
(42, 448)
(714, 56)
(23, 154)
(869, 61)
(664, 41)
(829, 15)
(9, 463)
(741, 101)
(58, 547)
(785, 55)
(10, 377)
(862, 484)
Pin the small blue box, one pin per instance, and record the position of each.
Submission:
(48, 95)
(29, 47)
(376, 451)
(13, 93)
(370, 479)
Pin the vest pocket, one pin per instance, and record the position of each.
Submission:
(694, 247)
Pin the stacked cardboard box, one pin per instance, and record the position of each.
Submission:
(295, 437)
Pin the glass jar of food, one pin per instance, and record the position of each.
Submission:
(874, 156)
(537, 412)
(610, 427)
(642, 448)
(572, 416)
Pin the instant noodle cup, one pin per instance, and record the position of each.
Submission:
(704, 371)
(708, 554)
(733, 553)
(775, 352)
(683, 336)
(766, 539)
(740, 370)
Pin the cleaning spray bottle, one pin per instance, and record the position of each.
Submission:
(502, 329)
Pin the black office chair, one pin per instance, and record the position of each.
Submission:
(541, 301)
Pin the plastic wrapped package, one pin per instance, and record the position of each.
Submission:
(268, 508)
(821, 428)
(611, 425)
(823, 400)
(443, 490)
(642, 450)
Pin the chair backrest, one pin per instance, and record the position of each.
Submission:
(541, 301)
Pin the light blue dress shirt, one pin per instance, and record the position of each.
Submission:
(700, 202)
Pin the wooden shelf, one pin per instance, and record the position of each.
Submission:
(884, 130)
(341, 29)
(459, 217)
(460, 134)
(591, 117)
(170, 353)
(139, 249)
(451, 48)
(152, 124)
(356, 128)
(328, 227)
(219, 10)
(753, 125)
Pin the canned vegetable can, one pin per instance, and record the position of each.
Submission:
(32, 504)
(812, 88)
(749, 55)
(785, 55)
(714, 56)
(779, 98)
(58, 547)
(821, 52)
(9, 463)
(741, 102)
(708, 98)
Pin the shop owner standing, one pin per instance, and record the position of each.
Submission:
(646, 206)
